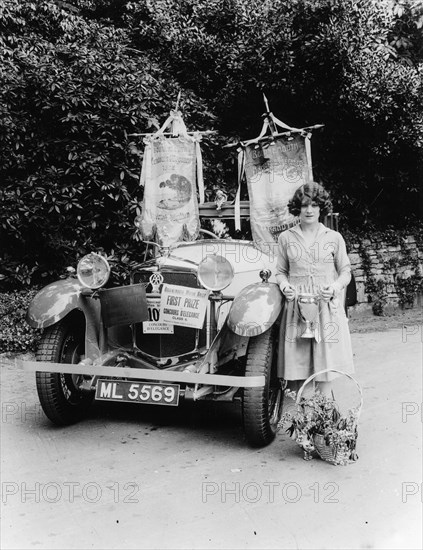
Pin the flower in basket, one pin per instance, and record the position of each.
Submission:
(317, 425)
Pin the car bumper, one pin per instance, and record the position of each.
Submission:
(144, 374)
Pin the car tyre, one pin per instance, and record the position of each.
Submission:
(262, 406)
(62, 400)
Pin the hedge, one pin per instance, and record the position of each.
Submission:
(15, 333)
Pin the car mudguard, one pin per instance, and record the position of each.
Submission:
(255, 309)
(54, 302)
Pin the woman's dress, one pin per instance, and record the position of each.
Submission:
(308, 269)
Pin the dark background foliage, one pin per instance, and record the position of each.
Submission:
(16, 335)
(79, 77)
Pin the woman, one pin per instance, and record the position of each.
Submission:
(313, 258)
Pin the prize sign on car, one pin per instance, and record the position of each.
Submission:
(154, 325)
(183, 306)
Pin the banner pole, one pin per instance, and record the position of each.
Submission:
(269, 117)
(177, 100)
(266, 103)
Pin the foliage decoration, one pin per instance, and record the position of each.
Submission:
(317, 418)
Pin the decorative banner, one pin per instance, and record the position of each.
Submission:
(183, 306)
(273, 174)
(170, 207)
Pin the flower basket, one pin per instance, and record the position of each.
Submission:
(332, 452)
(317, 425)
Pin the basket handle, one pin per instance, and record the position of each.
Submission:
(310, 378)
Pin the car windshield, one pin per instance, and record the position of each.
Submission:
(243, 255)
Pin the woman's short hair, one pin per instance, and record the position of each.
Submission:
(310, 192)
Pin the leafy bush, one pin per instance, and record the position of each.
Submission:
(73, 90)
(79, 77)
(354, 65)
(15, 334)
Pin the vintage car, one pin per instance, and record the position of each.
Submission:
(198, 320)
(117, 344)
(107, 343)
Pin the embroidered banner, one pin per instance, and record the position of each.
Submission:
(170, 206)
(273, 174)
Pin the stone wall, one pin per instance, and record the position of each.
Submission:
(388, 273)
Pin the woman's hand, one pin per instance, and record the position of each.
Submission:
(327, 293)
(289, 292)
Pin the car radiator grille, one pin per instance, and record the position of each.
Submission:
(183, 339)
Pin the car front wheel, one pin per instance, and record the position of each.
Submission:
(262, 406)
(61, 396)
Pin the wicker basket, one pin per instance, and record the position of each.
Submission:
(333, 453)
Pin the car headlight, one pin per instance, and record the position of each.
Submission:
(215, 272)
(93, 270)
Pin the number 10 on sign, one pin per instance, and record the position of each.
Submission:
(153, 325)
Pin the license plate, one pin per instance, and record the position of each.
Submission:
(137, 392)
